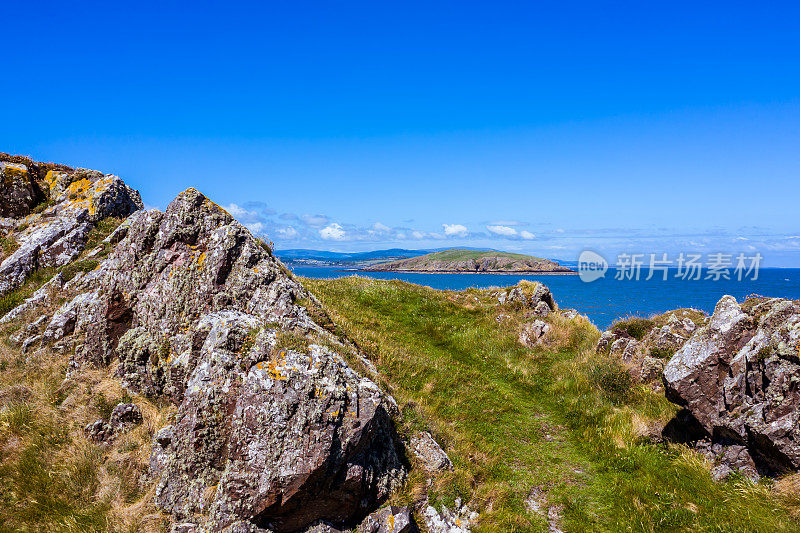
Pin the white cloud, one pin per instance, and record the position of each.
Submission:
(332, 232)
(560, 230)
(288, 233)
(502, 230)
(527, 235)
(455, 230)
(400, 235)
(256, 227)
(418, 234)
(237, 211)
(381, 227)
(315, 220)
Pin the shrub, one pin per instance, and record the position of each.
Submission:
(662, 353)
(635, 326)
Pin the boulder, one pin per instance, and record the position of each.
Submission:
(276, 434)
(739, 379)
(19, 192)
(390, 519)
(428, 452)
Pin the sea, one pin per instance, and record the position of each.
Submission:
(605, 299)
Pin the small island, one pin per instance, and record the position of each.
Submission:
(460, 261)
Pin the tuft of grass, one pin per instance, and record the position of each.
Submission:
(662, 353)
(613, 378)
(8, 245)
(635, 326)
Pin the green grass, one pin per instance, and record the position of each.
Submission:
(513, 420)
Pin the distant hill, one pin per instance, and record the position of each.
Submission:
(460, 260)
(305, 257)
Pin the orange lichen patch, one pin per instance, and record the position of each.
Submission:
(52, 178)
(78, 188)
(15, 171)
(201, 260)
(211, 206)
(273, 371)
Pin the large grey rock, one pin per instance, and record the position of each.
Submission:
(739, 378)
(280, 436)
(273, 430)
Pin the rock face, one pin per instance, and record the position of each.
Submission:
(739, 379)
(273, 430)
(19, 192)
(78, 201)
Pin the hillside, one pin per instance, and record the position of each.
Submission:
(164, 371)
(463, 261)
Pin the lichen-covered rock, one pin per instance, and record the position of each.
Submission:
(739, 378)
(459, 520)
(19, 192)
(428, 452)
(79, 200)
(123, 417)
(273, 430)
(277, 434)
(533, 333)
(529, 295)
(647, 356)
(389, 519)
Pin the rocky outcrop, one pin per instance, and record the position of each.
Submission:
(123, 417)
(738, 379)
(76, 202)
(532, 296)
(658, 339)
(273, 430)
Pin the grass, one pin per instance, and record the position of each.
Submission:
(514, 419)
(53, 478)
(635, 326)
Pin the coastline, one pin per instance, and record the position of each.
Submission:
(494, 272)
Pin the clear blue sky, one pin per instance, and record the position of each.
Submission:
(351, 126)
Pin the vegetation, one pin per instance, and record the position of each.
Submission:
(459, 254)
(635, 326)
(53, 478)
(558, 421)
(462, 260)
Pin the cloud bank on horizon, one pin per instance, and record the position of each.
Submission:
(289, 230)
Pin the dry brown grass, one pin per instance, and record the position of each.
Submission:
(54, 477)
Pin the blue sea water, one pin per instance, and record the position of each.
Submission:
(607, 299)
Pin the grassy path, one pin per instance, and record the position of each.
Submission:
(518, 422)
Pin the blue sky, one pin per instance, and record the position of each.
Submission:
(538, 127)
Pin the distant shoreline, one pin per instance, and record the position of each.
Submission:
(493, 272)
